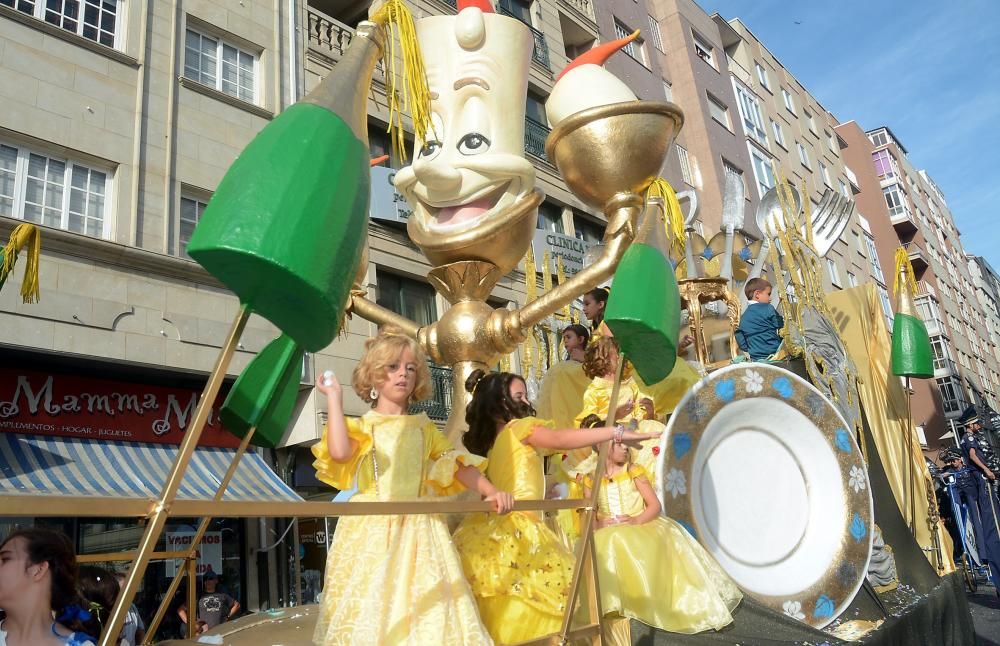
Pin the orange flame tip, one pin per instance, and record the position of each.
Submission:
(599, 55)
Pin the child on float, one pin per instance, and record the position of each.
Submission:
(38, 581)
(634, 407)
(395, 579)
(518, 569)
(649, 567)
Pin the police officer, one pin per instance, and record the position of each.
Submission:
(989, 506)
(966, 492)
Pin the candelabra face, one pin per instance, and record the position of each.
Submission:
(611, 149)
(470, 186)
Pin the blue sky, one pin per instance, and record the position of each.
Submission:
(928, 70)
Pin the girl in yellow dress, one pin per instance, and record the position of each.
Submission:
(395, 579)
(518, 569)
(561, 393)
(649, 567)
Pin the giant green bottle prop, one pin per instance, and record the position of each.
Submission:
(644, 306)
(285, 228)
(911, 345)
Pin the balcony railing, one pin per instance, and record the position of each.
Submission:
(583, 7)
(540, 53)
(534, 138)
(438, 407)
(918, 257)
(903, 220)
(331, 37)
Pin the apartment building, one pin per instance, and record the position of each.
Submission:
(987, 283)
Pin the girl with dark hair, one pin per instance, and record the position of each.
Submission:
(99, 588)
(38, 581)
(395, 579)
(519, 570)
(594, 303)
(561, 392)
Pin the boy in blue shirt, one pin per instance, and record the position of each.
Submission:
(757, 334)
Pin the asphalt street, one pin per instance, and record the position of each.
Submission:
(985, 607)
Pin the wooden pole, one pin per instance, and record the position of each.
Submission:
(161, 511)
(191, 565)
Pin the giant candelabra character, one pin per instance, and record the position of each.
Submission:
(472, 191)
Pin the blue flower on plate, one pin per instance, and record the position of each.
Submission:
(843, 440)
(745, 254)
(689, 529)
(858, 528)
(824, 607)
(696, 409)
(682, 444)
(816, 404)
(726, 390)
(784, 387)
(708, 254)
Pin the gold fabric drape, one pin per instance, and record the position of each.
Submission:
(857, 313)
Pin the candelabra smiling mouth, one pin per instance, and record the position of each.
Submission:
(611, 149)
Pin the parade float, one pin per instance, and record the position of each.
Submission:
(794, 474)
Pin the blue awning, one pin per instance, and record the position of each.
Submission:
(45, 466)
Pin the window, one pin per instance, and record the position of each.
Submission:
(878, 138)
(586, 230)
(803, 155)
(98, 23)
(763, 171)
(831, 141)
(685, 159)
(825, 174)
(191, 210)
(942, 355)
(633, 48)
(753, 119)
(53, 192)
(952, 395)
(883, 296)
(779, 135)
(410, 298)
(719, 112)
(704, 51)
(668, 91)
(885, 166)
(873, 259)
(731, 169)
(894, 199)
(846, 192)
(213, 62)
(852, 280)
(789, 101)
(762, 77)
(810, 121)
(550, 217)
(654, 33)
(834, 271)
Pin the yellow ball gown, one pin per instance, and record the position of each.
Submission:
(560, 396)
(657, 572)
(518, 569)
(396, 579)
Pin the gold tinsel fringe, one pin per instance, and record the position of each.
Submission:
(24, 236)
(675, 217)
(412, 94)
(903, 265)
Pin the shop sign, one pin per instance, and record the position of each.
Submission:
(40, 403)
(386, 202)
(571, 250)
(209, 551)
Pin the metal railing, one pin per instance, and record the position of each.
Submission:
(584, 7)
(540, 53)
(438, 407)
(534, 138)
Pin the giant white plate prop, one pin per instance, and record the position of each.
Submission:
(765, 473)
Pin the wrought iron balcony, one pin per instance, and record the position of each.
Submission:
(438, 407)
(540, 53)
(534, 138)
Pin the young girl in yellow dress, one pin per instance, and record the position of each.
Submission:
(395, 579)
(518, 569)
(649, 567)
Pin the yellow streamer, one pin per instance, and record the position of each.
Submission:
(24, 236)
(412, 94)
(903, 265)
(675, 217)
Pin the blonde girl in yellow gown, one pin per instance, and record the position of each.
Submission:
(518, 569)
(395, 579)
(649, 567)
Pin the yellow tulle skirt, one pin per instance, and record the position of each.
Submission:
(396, 580)
(660, 575)
(519, 571)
